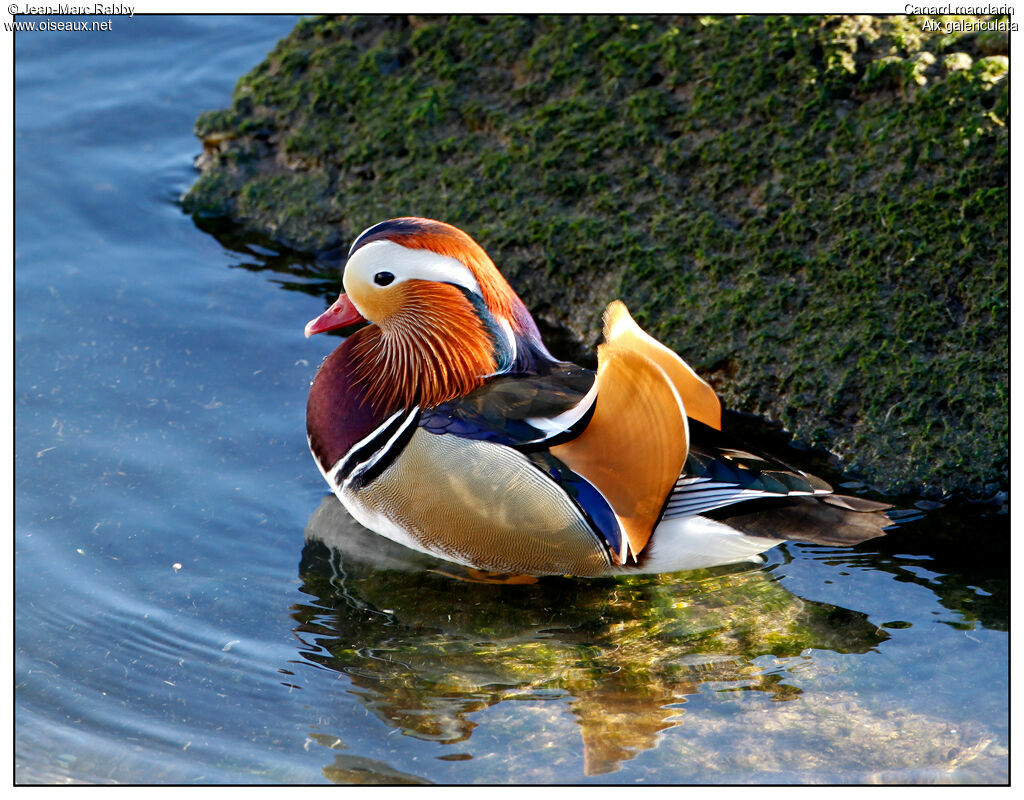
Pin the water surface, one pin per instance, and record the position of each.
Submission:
(190, 607)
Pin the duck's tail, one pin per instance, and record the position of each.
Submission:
(834, 520)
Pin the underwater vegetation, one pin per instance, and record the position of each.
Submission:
(755, 676)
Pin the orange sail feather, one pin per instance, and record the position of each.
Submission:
(698, 397)
(634, 447)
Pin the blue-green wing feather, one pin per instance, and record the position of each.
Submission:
(518, 410)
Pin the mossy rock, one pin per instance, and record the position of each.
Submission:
(813, 211)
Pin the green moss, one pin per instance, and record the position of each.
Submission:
(812, 210)
(211, 122)
(213, 195)
(992, 69)
(955, 61)
(286, 203)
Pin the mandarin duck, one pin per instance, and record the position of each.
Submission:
(445, 424)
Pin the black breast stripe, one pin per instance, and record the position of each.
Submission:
(367, 447)
(379, 453)
(364, 450)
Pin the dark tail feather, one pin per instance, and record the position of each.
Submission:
(835, 520)
(901, 516)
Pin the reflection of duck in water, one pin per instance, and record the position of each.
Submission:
(446, 425)
(426, 654)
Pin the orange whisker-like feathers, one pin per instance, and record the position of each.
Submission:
(434, 350)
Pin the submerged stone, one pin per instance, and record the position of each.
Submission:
(757, 679)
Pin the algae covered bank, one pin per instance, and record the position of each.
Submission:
(813, 211)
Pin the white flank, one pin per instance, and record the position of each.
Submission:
(696, 542)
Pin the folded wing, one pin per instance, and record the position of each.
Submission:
(519, 410)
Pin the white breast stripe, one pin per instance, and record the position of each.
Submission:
(383, 451)
(333, 473)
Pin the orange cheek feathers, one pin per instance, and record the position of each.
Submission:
(428, 346)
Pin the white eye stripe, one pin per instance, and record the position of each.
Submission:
(407, 264)
(360, 236)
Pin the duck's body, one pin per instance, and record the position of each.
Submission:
(447, 426)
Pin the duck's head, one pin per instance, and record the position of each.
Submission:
(445, 317)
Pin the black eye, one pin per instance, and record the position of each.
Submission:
(383, 278)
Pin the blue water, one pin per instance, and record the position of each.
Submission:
(190, 609)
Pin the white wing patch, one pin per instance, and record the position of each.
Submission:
(552, 426)
(691, 496)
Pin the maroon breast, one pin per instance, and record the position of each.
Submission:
(337, 412)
